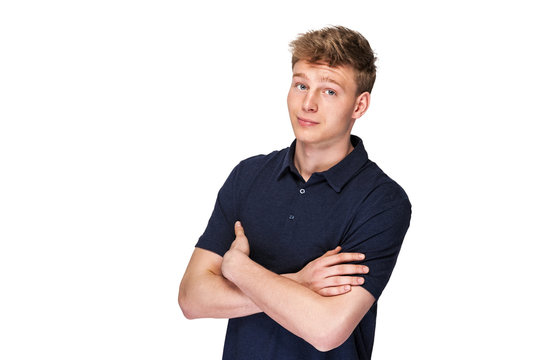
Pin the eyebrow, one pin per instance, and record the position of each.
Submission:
(323, 79)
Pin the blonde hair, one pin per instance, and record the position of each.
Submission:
(338, 46)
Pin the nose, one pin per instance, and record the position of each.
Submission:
(309, 104)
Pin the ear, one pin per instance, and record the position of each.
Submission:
(361, 105)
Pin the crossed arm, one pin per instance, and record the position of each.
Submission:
(235, 286)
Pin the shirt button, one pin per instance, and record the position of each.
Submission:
(302, 191)
(291, 217)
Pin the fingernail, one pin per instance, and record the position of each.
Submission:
(237, 223)
(366, 269)
(361, 281)
(347, 287)
(361, 256)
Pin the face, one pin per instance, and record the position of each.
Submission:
(323, 103)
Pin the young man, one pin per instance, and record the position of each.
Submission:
(292, 231)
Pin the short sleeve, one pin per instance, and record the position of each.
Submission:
(220, 233)
(378, 231)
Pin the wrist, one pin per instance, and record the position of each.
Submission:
(292, 276)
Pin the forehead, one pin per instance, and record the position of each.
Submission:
(343, 75)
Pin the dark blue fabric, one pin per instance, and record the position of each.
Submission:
(290, 222)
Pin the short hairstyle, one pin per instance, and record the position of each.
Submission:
(338, 46)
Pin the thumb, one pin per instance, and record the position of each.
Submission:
(239, 230)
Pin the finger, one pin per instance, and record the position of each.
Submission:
(346, 269)
(343, 258)
(239, 230)
(334, 290)
(334, 281)
(332, 252)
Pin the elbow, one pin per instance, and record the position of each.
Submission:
(328, 343)
(334, 327)
(330, 336)
(186, 305)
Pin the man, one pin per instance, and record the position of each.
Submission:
(292, 231)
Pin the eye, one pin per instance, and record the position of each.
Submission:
(301, 86)
(330, 92)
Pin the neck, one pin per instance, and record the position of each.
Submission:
(311, 158)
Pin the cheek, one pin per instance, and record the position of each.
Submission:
(345, 110)
(340, 115)
(291, 100)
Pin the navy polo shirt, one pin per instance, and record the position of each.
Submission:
(290, 222)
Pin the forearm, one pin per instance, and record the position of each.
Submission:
(213, 296)
(319, 320)
(205, 293)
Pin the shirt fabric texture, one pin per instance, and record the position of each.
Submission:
(290, 222)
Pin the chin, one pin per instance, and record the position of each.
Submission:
(307, 135)
(307, 138)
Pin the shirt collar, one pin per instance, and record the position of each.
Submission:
(339, 174)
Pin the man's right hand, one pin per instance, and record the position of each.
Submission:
(327, 275)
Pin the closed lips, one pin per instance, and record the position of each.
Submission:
(306, 121)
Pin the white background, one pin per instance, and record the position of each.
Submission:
(120, 120)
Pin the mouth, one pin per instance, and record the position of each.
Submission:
(306, 122)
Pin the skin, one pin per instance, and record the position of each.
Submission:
(206, 293)
(323, 105)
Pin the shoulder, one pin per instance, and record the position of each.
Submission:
(381, 215)
(254, 165)
(377, 191)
